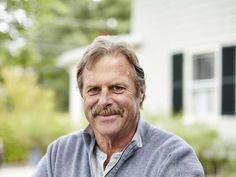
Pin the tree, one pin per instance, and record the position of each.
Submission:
(74, 23)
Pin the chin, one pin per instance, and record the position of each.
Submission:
(109, 132)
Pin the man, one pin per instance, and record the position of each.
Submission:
(117, 142)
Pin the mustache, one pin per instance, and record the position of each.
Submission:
(106, 111)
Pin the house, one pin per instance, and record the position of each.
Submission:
(188, 50)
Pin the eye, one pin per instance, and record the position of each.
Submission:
(93, 91)
(117, 89)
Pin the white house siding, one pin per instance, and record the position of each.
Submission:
(168, 26)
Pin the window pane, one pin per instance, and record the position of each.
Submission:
(203, 101)
(203, 66)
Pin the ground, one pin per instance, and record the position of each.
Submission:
(16, 171)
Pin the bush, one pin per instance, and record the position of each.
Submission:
(27, 118)
(21, 133)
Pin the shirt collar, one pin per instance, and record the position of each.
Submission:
(137, 136)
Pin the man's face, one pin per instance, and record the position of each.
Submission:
(111, 104)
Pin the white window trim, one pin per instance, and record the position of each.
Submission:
(190, 84)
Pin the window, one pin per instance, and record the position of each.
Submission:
(203, 66)
(203, 90)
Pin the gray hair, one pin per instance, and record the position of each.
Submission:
(110, 45)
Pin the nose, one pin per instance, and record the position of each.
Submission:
(104, 99)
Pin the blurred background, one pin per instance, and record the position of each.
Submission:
(186, 47)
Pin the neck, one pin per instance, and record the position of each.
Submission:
(113, 144)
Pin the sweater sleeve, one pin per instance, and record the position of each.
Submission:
(181, 162)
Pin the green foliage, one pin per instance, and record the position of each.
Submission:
(63, 25)
(217, 155)
(220, 157)
(27, 117)
(24, 57)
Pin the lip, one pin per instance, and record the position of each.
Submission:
(109, 118)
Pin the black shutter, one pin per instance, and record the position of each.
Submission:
(177, 80)
(228, 81)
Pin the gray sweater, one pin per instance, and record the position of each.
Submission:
(161, 155)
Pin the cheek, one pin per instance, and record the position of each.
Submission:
(88, 104)
(130, 104)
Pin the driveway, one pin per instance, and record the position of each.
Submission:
(16, 171)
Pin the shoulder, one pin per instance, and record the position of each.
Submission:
(67, 142)
(175, 154)
(160, 137)
(59, 153)
(169, 144)
(152, 134)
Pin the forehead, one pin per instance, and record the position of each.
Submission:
(109, 66)
(117, 61)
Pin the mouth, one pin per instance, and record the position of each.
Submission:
(107, 118)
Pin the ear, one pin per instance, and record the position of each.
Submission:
(141, 96)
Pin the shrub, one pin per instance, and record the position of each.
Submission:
(28, 118)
